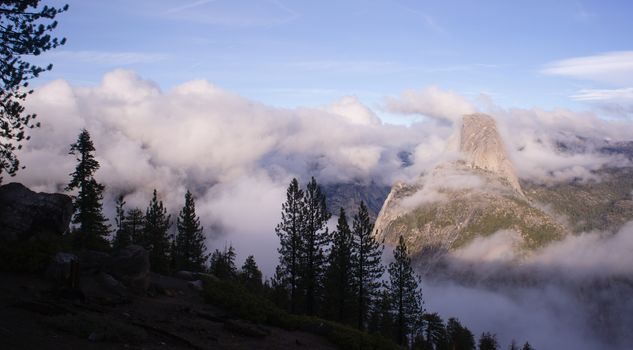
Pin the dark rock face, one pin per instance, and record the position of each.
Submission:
(63, 270)
(131, 267)
(25, 214)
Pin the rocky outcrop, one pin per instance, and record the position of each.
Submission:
(25, 214)
(483, 148)
(477, 195)
(131, 267)
(63, 270)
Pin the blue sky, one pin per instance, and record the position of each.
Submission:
(296, 53)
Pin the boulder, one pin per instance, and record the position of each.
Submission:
(185, 275)
(25, 214)
(131, 267)
(94, 261)
(63, 270)
(112, 285)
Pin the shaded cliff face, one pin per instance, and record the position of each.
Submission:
(481, 195)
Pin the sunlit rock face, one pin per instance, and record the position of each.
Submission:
(482, 147)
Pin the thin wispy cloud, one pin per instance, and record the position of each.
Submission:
(463, 67)
(188, 6)
(428, 21)
(604, 94)
(348, 66)
(245, 13)
(611, 67)
(108, 57)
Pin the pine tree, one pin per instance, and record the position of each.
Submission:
(434, 332)
(134, 226)
(339, 293)
(527, 346)
(25, 31)
(405, 294)
(156, 237)
(459, 337)
(366, 264)
(276, 289)
(190, 249)
(290, 231)
(223, 264)
(513, 345)
(92, 228)
(315, 239)
(488, 341)
(381, 320)
(250, 275)
(121, 236)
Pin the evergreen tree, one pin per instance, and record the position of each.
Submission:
(121, 236)
(513, 345)
(488, 341)
(250, 275)
(381, 319)
(405, 294)
(290, 231)
(339, 293)
(134, 226)
(156, 238)
(315, 239)
(527, 346)
(276, 289)
(459, 337)
(223, 264)
(25, 30)
(92, 228)
(190, 249)
(366, 264)
(434, 332)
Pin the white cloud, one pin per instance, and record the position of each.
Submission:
(431, 102)
(355, 112)
(216, 143)
(610, 67)
(604, 94)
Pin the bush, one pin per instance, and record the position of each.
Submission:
(243, 304)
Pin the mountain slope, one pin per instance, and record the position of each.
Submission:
(480, 194)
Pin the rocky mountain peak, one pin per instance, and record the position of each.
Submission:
(483, 148)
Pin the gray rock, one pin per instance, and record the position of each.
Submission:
(185, 275)
(112, 285)
(195, 285)
(483, 148)
(93, 261)
(131, 267)
(25, 214)
(63, 270)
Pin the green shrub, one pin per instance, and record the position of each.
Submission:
(243, 304)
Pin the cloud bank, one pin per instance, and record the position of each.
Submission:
(218, 144)
(237, 157)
